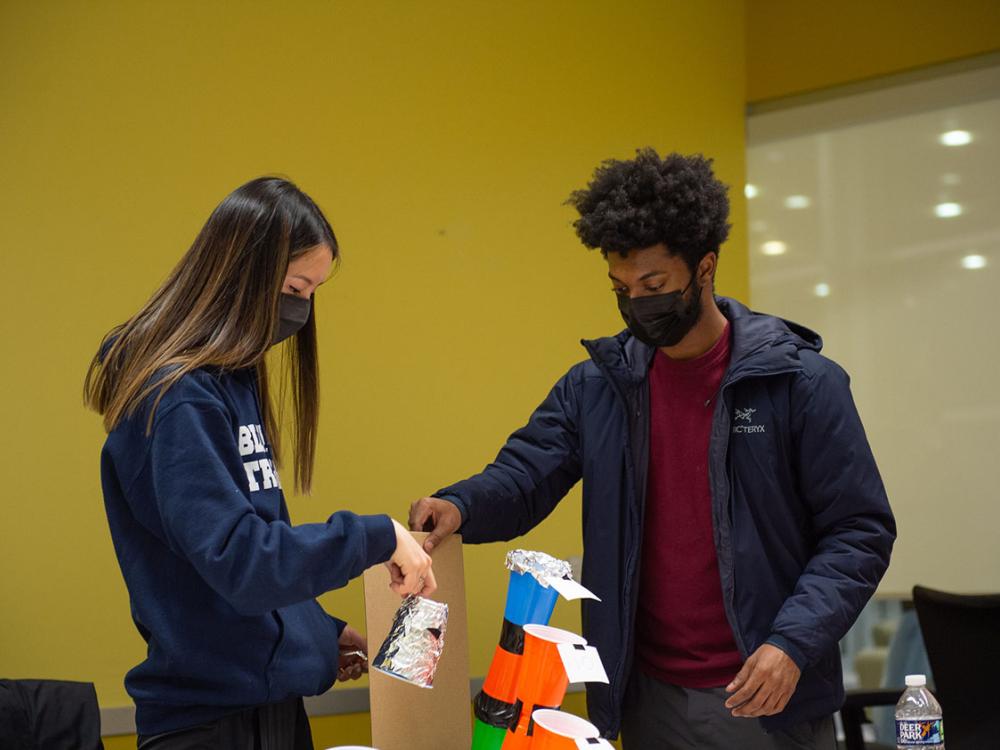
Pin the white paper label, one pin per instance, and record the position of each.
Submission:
(594, 744)
(582, 663)
(570, 589)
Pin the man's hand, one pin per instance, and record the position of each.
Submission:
(352, 665)
(764, 685)
(437, 516)
(410, 566)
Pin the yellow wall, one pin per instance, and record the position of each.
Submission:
(441, 138)
(794, 46)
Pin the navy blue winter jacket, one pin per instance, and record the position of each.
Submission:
(802, 525)
(222, 586)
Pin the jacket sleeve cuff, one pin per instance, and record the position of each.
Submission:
(796, 655)
(457, 502)
(380, 538)
(338, 624)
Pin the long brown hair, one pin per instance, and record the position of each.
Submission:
(219, 308)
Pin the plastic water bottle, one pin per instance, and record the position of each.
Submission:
(918, 717)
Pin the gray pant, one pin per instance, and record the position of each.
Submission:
(659, 716)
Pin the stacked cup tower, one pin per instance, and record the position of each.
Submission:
(530, 601)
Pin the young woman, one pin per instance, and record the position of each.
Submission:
(222, 586)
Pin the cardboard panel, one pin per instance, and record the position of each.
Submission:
(404, 716)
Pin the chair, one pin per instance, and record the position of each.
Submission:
(49, 715)
(962, 635)
(853, 717)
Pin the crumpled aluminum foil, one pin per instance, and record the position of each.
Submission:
(416, 639)
(538, 564)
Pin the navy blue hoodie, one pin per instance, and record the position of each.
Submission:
(222, 586)
(803, 529)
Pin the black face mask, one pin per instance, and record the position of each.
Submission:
(293, 312)
(661, 319)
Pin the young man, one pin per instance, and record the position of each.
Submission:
(734, 520)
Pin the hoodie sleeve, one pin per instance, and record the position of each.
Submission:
(852, 522)
(534, 470)
(200, 491)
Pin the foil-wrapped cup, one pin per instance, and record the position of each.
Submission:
(416, 639)
(540, 566)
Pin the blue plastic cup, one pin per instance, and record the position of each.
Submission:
(528, 602)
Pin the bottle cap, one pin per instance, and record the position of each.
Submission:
(916, 680)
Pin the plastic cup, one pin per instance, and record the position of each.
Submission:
(515, 741)
(542, 681)
(555, 730)
(485, 737)
(529, 602)
(501, 680)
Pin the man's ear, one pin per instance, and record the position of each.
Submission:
(707, 268)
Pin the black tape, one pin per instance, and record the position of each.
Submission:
(512, 638)
(495, 713)
(531, 722)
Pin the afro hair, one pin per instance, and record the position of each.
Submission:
(645, 201)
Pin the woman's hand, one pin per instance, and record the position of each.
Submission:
(410, 566)
(352, 663)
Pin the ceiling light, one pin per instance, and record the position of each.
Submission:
(822, 290)
(774, 247)
(956, 138)
(797, 201)
(948, 210)
(973, 262)
(751, 191)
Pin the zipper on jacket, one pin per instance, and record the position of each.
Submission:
(630, 414)
(631, 558)
(730, 590)
(631, 599)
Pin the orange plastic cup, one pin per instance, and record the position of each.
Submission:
(514, 741)
(501, 680)
(542, 681)
(555, 730)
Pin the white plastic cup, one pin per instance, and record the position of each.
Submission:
(555, 635)
(557, 730)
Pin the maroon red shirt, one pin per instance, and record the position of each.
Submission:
(683, 636)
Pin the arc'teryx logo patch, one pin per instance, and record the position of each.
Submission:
(746, 415)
